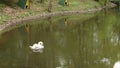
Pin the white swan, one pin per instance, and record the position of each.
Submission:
(117, 64)
(37, 46)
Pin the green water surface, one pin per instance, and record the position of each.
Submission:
(72, 41)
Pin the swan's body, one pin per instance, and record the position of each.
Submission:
(117, 65)
(37, 46)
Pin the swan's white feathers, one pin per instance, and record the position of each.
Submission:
(37, 46)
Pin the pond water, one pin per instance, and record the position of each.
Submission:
(72, 41)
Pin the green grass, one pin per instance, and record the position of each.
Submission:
(26, 14)
(4, 18)
(1, 5)
(77, 5)
(37, 8)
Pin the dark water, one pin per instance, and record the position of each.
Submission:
(80, 41)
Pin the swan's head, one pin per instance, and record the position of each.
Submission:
(40, 43)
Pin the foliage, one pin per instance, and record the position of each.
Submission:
(103, 2)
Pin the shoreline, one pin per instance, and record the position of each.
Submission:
(43, 15)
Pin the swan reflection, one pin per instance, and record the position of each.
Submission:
(38, 50)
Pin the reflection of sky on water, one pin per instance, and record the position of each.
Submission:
(105, 60)
(114, 39)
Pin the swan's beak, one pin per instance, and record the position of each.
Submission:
(30, 47)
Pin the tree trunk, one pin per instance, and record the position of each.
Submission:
(106, 2)
(50, 6)
(41, 1)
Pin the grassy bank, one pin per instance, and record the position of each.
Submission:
(8, 13)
